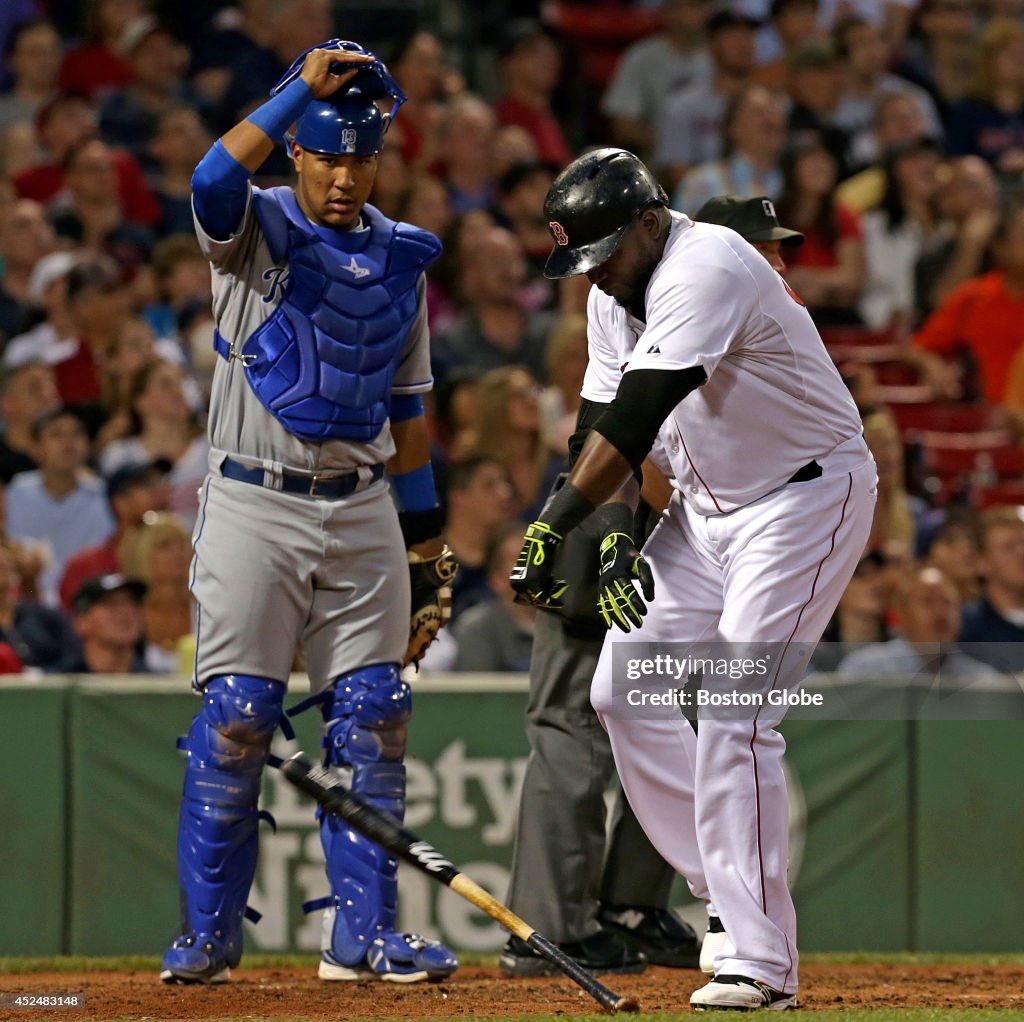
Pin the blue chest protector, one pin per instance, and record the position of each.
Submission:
(324, 361)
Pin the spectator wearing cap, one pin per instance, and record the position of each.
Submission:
(753, 136)
(25, 237)
(690, 131)
(755, 221)
(62, 126)
(60, 507)
(865, 53)
(131, 492)
(130, 115)
(26, 392)
(53, 339)
(33, 58)
(530, 63)
(654, 68)
(815, 86)
(94, 68)
(107, 615)
(40, 637)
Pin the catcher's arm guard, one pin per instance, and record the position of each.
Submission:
(431, 581)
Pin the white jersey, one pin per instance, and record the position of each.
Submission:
(773, 400)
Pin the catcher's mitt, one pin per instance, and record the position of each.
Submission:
(431, 579)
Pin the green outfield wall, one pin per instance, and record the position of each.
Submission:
(905, 835)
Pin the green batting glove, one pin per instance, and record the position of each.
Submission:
(531, 577)
(622, 567)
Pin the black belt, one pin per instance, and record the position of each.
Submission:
(327, 487)
(812, 470)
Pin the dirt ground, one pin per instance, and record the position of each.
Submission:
(476, 991)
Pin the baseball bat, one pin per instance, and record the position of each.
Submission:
(325, 787)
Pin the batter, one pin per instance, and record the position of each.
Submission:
(695, 337)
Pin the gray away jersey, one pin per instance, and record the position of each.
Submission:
(247, 287)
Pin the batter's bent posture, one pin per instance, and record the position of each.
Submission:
(697, 342)
(321, 328)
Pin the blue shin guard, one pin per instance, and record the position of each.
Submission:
(227, 748)
(365, 714)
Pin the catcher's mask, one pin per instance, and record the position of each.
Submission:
(590, 205)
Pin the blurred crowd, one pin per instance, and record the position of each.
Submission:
(890, 133)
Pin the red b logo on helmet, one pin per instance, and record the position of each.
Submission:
(561, 238)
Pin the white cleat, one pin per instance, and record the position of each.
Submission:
(714, 941)
(740, 993)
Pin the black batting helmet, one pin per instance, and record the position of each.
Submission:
(591, 204)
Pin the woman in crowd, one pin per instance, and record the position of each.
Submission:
(158, 552)
(162, 428)
(828, 270)
(508, 429)
(897, 233)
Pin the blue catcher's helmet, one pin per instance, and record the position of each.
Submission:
(351, 125)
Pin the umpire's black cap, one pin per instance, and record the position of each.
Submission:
(590, 205)
(753, 219)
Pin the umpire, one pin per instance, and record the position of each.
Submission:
(604, 906)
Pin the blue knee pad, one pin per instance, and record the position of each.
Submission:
(365, 714)
(227, 747)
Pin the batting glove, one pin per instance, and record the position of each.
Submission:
(622, 567)
(531, 577)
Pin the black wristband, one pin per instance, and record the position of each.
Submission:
(617, 517)
(566, 510)
(419, 526)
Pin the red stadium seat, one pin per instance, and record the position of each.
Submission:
(948, 417)
(1001, 493)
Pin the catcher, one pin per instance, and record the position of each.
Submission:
(323, 344)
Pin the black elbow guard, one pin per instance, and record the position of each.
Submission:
(644, 400)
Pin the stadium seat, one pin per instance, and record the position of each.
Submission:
(949, 417)
(1000, 493)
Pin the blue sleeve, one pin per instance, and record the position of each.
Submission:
(220, 191)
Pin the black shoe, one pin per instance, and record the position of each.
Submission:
(599, 953)
(660, 934)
